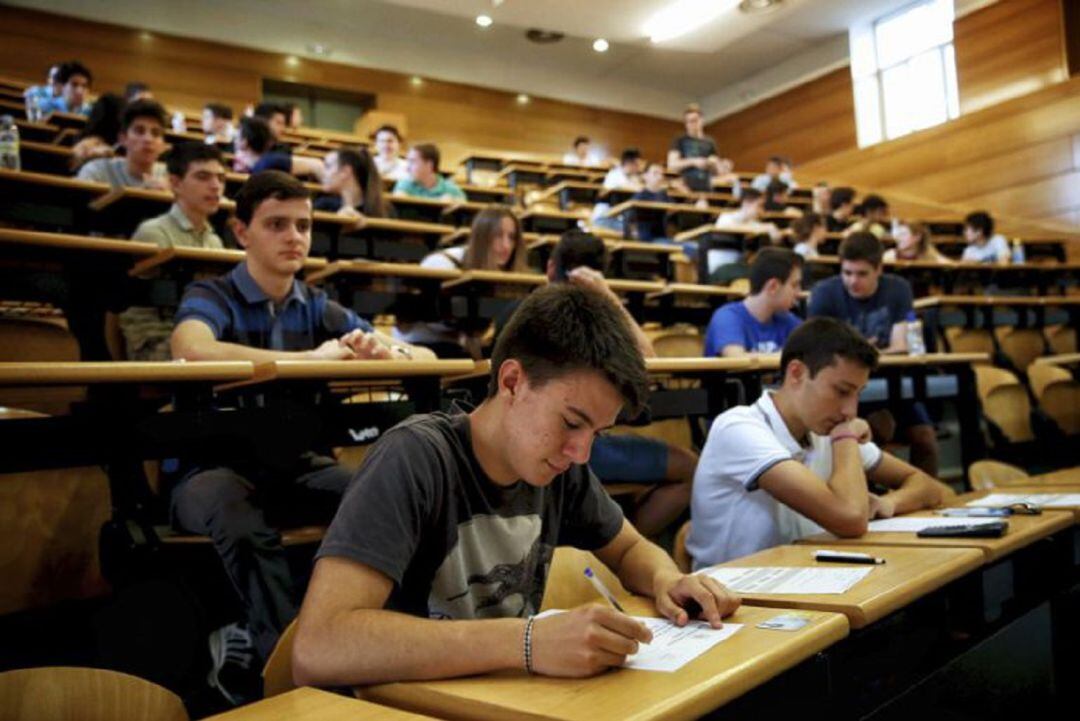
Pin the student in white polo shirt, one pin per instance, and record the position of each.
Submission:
(797, 461)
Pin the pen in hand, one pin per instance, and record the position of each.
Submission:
(602, 590)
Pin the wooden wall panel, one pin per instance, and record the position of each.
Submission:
(185, 73)
(1005, 50)
(810, 121)
(1008, 49)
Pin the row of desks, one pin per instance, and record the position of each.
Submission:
(933, 613)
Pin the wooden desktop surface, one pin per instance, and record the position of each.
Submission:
(1023, 531)
(1063, 359)
(496, 277)
(731, 668)
(310, 704)
(1028, 488)
(772, 362)
(906, 575)
(86, 373)
(64, 241)
(54, 181)
(990, 300)
(1064, 477)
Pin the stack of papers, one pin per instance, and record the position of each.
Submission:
(1049, 500)
(775, 579)
(916, 524)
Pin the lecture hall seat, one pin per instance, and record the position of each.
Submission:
(87, 694)
(1004, 402)
(1058, 394)
(984, 475)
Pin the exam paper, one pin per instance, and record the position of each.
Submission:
(1048, 500)
(673, 647)
(916, 524)
(776, 579)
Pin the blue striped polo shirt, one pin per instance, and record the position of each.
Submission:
(237, 310)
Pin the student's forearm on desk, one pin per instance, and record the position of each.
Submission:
(639, 564)
(219, 351)
(919, 491)
(368, 646)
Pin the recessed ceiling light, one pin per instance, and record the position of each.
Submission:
(600, 45)
(522, 99)
(684, 16)
(758, 6)
(483, 21)
(144, 35)
(292, 61)
(319, 49)
(416, 80)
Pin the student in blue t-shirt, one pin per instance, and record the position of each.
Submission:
(762, 322)
(255, 151)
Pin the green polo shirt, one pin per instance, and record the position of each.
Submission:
(443, 186)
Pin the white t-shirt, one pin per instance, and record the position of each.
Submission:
(732, 517)
(395, 169)
(995, 248)
(444, 259)
(617, 178)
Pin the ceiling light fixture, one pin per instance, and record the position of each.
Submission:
(292, 61)
(484, 21)
(600, 45)
(758, 6)
(416, 81)
(684, 16)
(522, 99)
(319, 49)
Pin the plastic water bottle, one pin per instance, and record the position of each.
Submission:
(9, 144)
(1017, 252)
(913, 332)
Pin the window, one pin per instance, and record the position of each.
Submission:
(903, 71)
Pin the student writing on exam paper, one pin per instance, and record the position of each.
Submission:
(436, 561)
(797, 461)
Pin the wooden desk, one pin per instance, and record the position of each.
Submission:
(1035, 487)
(1064, 477)
(404, 289)
(290, 370)
(310, 704)
(496, 278)
(571, 192)
(1064, 359)
(689, 302)
(336, 237)
(36, 132)
(518, 173)
(154, 372)
(71, 250)
(645, 261)
(908, 574)
(538, 220)
(197, 260)
(49, 202)
(409, 207)
(45, 158)
(1039, 276)
(462, 213)
(1023, 531)
(746, 660)
(489, 194)
(66, 120)
(682, 216)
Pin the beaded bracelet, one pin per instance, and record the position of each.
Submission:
(528, 644)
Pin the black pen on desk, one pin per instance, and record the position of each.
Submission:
(603, 590)
(841, 557)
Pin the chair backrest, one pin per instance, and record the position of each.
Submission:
(1005, 402)
(567, 586)
(679, 341)
(1060, 338)
(277, 673)
(86, 694)
(969, 340)
(680, 554)
(1058, 394)
(1021, 345)
(984, 475)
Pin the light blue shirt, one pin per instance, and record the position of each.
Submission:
(443, 186)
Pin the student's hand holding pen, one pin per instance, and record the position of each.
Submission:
(585, 641)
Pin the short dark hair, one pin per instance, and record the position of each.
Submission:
(268, 110)
(256, 134)
(143, 109)
(841, 196)
(575, 249)
(819, 341)
(267, 184)
(387, 128)
(134, 88)
(804, 225)
(981, 221)
(184, 154)
(220, 110)
(562, 328)
(772, 263)
(780, 160)
(750, 194)
(874, 202)
(72, 68)
(429, 152)
(628, 155)
(862, 246)
(580, 139)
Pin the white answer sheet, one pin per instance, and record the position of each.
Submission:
(778, 579)
(917, 523)
(673, 647)
(1049, 500)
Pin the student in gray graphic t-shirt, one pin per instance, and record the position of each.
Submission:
(436, 561)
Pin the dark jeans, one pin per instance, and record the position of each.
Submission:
(240, 510)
